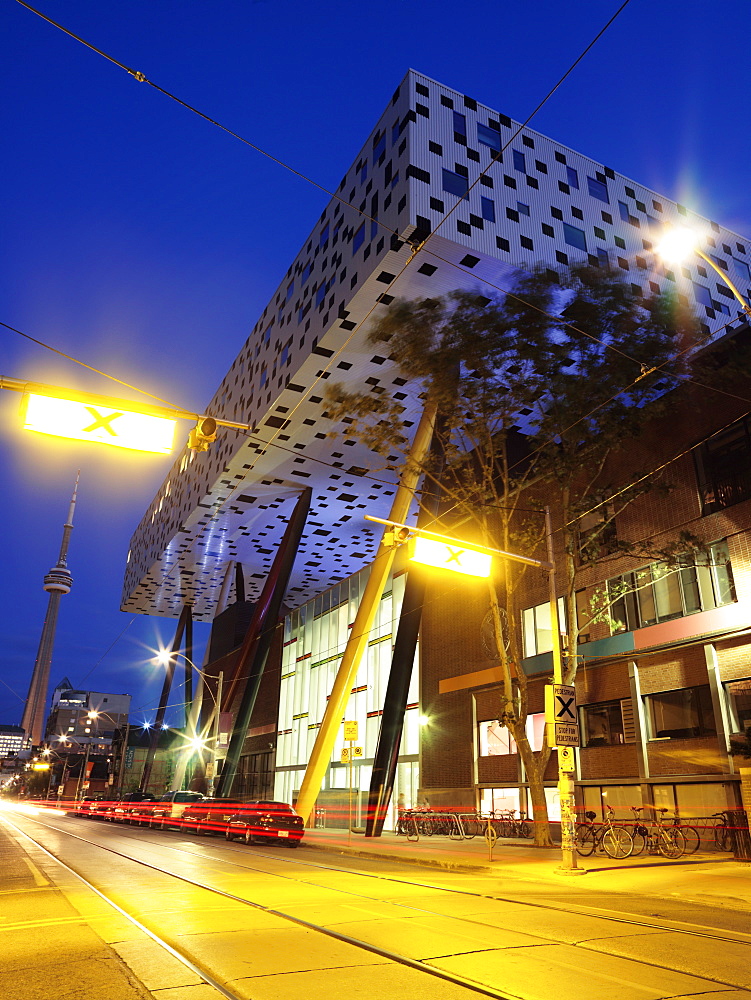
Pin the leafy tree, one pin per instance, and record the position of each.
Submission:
(538, 392)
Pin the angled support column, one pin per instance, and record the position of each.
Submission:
(255, 648)
(185, 615)
(360, 632)
(397, 690)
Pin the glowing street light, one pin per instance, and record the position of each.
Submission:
(82, 421)
(680, 242)
(450, 555)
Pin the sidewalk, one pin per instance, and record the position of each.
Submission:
(710, 877)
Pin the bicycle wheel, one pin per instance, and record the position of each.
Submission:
(722, 837)
(639, 837)
(584, 839)
(524, 829)
(692, 837)
(671, 843)
(617, 842)
(411, 829)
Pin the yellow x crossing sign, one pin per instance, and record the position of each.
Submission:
(453, 556)
(86, 421)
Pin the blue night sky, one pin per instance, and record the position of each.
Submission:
(144, 241)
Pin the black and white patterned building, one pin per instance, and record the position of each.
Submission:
(431, 167)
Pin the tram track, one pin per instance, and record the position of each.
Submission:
(729, 938)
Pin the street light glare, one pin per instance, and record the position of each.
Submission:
(453, 556)
(677, 243)
(84, 421)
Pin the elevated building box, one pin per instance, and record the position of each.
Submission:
(429, 170)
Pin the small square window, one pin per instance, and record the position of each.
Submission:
(469, 260)
(563, 187)
(542, 167)
(502, 243)
(577, 213)
(460, 123)
(464, 228)
(512, 214)
(488, 137)
(526, 242)
(435, 147)
(574, 237)
(455, 183)
(437, 205)
(488, 209)
(522, 208)
(572, 178)
(598, 189)
(547, 230)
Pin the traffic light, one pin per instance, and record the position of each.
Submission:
(202, 435)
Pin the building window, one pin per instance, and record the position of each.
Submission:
(598, 189)
(603, 724)
(488, 209)
(657, 594)
(680, 714)
(572, 177)
(455, 183)
(520, 163)
(496, 740)
(723, 468)
(624, 212)
(489, 137)
(460, 124)
(358, 238)
(738, 694)
(574, 237)
(538, 634)
(522, 208)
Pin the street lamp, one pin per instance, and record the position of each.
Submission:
(462, 557)
(196, 742)
(680, 241)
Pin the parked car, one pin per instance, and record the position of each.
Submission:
(210, 815)
(122, 809)
(168, 809)
(265, 821)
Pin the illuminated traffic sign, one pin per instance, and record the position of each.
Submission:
(449, 555)
(88, 421)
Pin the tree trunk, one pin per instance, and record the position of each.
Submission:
(535, 769)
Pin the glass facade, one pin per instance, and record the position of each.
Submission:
(315, 636)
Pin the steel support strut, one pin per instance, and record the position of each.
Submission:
(360, 631)
(402, 663)
(255, 648)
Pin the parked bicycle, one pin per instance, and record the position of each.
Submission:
(615, 841)
(657, 837)
(722, 838)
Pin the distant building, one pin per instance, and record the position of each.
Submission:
(11, 740)
(69, 721)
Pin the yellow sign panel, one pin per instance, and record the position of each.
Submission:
(83, 421)
(447, 555)
(350, 730)
(40, 767)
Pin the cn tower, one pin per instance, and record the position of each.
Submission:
(57, 582)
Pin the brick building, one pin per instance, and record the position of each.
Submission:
(660, 693)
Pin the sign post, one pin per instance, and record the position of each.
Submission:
(350, 735)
